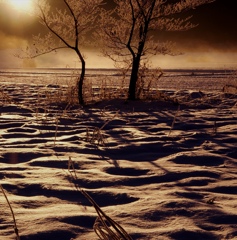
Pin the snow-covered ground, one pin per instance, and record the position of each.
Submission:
(161, 170)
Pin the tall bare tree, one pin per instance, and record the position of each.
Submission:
(129, 30)
(67, 27)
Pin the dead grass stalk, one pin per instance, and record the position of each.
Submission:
(174, 119)
(13, 216)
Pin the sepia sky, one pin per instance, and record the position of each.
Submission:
(212, 44)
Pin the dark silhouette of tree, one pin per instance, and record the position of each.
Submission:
(67, 27)
(129, 30)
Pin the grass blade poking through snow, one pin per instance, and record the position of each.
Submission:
(105, 227)
(13, 216)
(172, 125)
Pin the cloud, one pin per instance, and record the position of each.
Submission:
(16, 23)
(198, 60)
(68, 59)
(11, 42)
(7, 59)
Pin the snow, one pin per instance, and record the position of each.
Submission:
(160, 170)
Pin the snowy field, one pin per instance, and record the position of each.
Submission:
(162, 169)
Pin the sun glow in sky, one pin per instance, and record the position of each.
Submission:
(212, 44)
(22, 5)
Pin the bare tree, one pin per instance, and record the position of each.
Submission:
(129, 30)
(67, 27)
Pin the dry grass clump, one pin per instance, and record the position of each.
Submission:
(147, 83)
(105, 227)
(56, 98)
(54, 101)
(59, 95)
(97, 136)
(104, 88)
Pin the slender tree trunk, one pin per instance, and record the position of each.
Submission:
(80, 80)
(134, 78)
(80, 83)
(137, 57)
